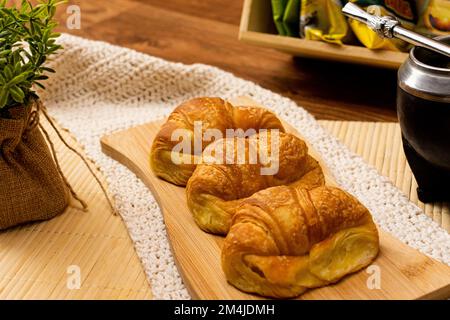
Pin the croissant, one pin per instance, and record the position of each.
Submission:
(285, 240)
(216, 190)
(214, 113)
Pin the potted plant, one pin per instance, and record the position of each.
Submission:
(32, 185)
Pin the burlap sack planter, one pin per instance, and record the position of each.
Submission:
(31, 187)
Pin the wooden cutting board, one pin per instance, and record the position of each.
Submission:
(404, 273)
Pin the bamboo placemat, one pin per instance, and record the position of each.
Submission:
(380, 145)
(34, 259)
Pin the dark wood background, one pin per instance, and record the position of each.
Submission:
(206, 31)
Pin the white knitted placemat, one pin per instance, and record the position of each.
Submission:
(100, 88)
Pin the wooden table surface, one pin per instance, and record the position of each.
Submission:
(206, 31)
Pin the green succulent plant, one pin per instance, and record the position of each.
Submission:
(27, 40)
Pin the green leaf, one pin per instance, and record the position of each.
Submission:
(8, 72)
(55, 35)
(3, 97)
(17, 94)
(17, 67)
(40, 85)
(41, 77)
(4, 53)
(48, 69)
(18, 79)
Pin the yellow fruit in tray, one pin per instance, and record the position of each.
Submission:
(437, 16)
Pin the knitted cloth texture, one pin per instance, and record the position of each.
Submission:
(101, 88)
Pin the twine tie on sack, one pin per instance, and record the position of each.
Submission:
(33, 123)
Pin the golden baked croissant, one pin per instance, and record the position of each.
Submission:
(214, 113)
(215, 190)
(284, 240)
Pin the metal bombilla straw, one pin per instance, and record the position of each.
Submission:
(389, 27)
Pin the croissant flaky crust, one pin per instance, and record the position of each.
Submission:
(214, 113)
(286, 231)
(216, 190)
(285, 240)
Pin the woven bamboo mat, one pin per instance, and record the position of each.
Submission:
(34, 259)
(380, 145)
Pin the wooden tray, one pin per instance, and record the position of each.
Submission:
(257, 28)
(405, 273)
